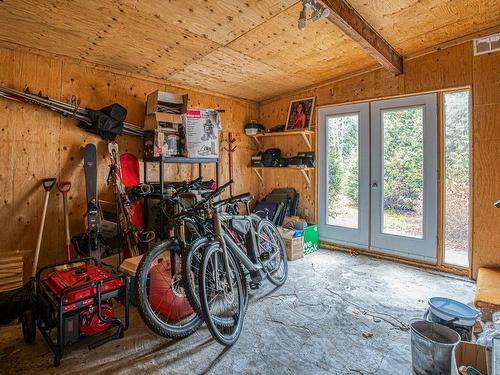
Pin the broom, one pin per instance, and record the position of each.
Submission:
(14, 303)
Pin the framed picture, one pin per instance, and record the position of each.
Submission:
(300, 114)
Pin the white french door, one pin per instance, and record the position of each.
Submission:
(404, 176)
(377, 186)
(343, 203)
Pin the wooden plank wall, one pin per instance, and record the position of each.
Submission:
(36, 143)
(448, 68)
(486, 161)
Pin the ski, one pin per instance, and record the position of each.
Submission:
(93, 232)
(129, 230)
(65, 109)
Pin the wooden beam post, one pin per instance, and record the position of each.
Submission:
(351, 23)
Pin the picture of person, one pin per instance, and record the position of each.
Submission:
(300, 114)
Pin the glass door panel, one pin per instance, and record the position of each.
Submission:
(402, 186)
(343, 170)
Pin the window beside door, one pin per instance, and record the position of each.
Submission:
(456, 110)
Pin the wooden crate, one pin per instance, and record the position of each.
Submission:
(294, 248)
(11, 271)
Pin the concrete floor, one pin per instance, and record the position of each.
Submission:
(314, 324)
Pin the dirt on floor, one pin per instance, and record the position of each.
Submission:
(337, 314)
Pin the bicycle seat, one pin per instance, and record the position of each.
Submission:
(244, 198)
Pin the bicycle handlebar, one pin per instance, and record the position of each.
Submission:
(204, 201)
(186, 186)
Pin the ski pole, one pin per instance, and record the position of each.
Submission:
(64, 188)
(48, 184)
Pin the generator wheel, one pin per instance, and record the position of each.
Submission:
(29, 326)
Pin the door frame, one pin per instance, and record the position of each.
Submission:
(395, 244)
(345, 236)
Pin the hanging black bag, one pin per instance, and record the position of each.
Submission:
(106, 122)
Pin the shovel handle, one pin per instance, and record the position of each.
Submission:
(64, 186)
(48, 183)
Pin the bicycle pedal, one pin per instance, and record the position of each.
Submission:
(264, 256)
(253, 285)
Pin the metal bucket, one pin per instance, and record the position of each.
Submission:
(432, 345)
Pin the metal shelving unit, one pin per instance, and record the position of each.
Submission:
(171, 160)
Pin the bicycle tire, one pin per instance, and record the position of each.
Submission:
(191, 260)
(174, 330)
(224, 334)
(263, 226)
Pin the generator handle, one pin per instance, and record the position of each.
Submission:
(79, 260)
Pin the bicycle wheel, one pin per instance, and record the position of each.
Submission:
(191, 262)
(161, 300)
(220, 299)
(272, 252)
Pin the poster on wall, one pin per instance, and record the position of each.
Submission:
(300, 114)
(202, 133)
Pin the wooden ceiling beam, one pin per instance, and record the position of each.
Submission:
(350, 22)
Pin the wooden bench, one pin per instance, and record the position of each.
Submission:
(487, 297)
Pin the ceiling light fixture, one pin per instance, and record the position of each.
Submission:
(318, 11)
(302, 19)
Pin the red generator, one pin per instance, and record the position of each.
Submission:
(74, 300)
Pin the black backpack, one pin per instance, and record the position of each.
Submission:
(271, 157)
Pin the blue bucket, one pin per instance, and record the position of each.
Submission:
(452, 311)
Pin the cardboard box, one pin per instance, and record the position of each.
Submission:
(201, 128)
(161, 142)
(159, 119)
(129, 266)
(469, 354)
(311, 239)
(161, 101)
(294, 248)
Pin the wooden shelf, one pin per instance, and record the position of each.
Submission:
(306, 136)
(304, 171)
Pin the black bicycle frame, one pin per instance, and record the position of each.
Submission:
(234, 247)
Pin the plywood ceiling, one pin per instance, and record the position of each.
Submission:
(250, 49)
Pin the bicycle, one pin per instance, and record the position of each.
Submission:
(192, 255)
(239, 241)
(161, 300)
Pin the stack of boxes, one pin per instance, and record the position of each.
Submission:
(163, 125)
(171, 129)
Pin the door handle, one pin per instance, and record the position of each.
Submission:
(374, 185)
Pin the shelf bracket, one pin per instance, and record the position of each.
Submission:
(259, 174)
(307, 140)
(257, 141)
(306, 177)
